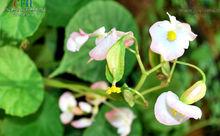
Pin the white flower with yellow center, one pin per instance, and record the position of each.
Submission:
(170, 38)
(169, 110)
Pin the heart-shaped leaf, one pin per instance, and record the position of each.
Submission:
(21, 85)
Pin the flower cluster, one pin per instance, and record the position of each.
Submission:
(169, 40)
(70, 107)
(104, 41)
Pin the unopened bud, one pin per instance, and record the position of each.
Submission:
(194, 93)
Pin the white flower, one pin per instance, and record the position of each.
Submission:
(170, 39)
(76, 40)
(69, 108)
(169, 110)
(122, 119)
(105, 42)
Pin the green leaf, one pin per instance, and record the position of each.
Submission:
(21, 85)
(18, 23)
(3, 5)
(94, 15)
(43, 55)
(45, 122)
(101, 126)
(116, 60)
(59, 12)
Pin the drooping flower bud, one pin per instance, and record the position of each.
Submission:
(194, 93)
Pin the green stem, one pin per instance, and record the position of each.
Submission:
(131, 50)
(81, 89)
(147, 91)
(141, 82)
(195, 67)
(172, 71)
(141, 96)
(137, 54)
(144, 76)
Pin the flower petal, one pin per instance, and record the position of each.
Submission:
(66, 117)
(99, 85)
(121, 118)
(85, 107)
(81, 123)
(162, 112)
(102, 47)
(76, 40)
(99, 32)
(189, 111)
(67, 102)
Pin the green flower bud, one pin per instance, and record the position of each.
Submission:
(194, 93)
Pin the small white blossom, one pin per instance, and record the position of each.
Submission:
(170, 38)
(169, 110)
(122, 119)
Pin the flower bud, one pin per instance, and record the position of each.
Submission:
(194, 93)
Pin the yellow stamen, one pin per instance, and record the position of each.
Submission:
(113, 89)
(171, 35)
(174, 112)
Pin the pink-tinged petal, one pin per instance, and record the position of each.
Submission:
(66, 117)
(76, 40)
(99, 85)
(189, 111)
(99, 32)
(101, 50)
(81, 123)
(163, 113)
(129, 42)
(85, 107)
(67, 102)
(121, 118)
